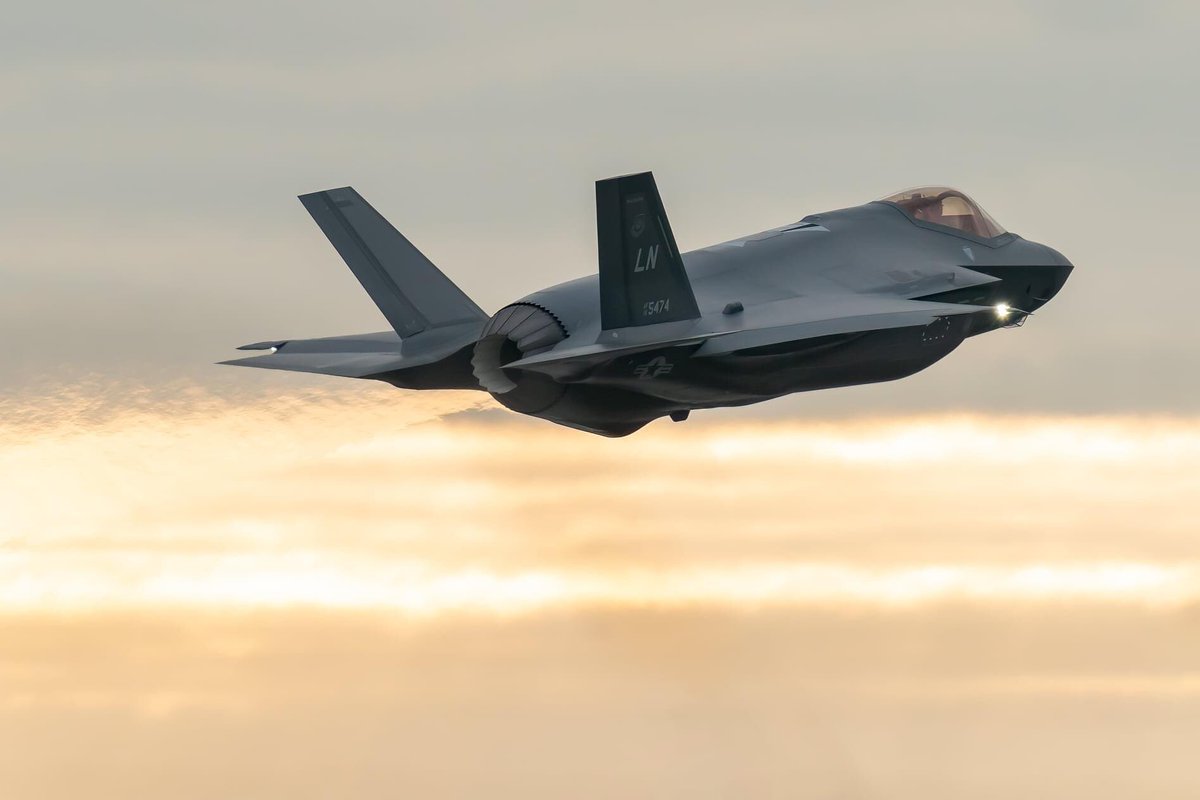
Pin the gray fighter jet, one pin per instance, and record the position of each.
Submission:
(860, 295)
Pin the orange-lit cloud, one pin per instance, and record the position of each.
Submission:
(364, 593)
(374, 500)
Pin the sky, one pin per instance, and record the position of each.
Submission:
(981, 580)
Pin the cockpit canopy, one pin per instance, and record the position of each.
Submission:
(941, 205)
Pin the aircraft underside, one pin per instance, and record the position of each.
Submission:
(620, 396)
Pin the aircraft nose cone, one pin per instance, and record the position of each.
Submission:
(1064, 272)
(1059, 270)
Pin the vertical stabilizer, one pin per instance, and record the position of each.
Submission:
(642, 279)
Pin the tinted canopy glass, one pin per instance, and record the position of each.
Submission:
(942, 205)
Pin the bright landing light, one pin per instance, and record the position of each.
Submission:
(1002, 310)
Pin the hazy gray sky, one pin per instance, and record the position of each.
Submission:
(152, 154)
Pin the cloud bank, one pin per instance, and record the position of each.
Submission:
(378, 501)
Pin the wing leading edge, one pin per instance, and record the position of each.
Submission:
(773, 323)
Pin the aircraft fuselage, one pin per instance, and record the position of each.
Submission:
(860, 295)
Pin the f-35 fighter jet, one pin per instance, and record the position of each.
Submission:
(864, 294)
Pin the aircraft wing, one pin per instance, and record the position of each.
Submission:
(794, 319)
(857, 314)
(372, 355)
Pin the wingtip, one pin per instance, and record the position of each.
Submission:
(275, 345)
(307, 195)
(235, 362)
(628, 175)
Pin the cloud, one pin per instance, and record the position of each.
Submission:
(697, 702)
(377, 500)
(381, 593)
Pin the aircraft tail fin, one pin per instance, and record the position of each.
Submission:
(412, 293)
(642, 279)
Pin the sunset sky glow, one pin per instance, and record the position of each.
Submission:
(982, 581)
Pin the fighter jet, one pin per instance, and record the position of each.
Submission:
(859, 295)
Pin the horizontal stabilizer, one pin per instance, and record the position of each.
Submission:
(642, 279)
(411, 292)
(438, 358)
(342, 365)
